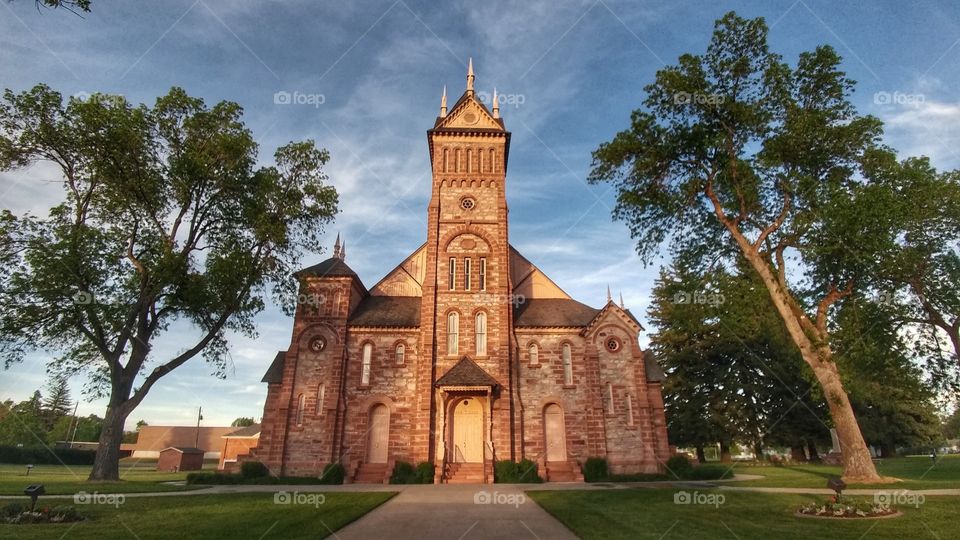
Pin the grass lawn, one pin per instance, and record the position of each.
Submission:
(652, 513)
(916, 473)
(247, 515)
(136, 475)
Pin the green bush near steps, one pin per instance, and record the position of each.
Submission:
(405, 473)
(511, 472)
(333, 474)
(595, 469)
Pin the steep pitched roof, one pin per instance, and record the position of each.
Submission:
(274, 373)
(553, 312)
(652, 368)
(332, 267)
(466, 373)
(398, 311)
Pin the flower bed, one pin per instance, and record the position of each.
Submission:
(17, 513)
(845, 508)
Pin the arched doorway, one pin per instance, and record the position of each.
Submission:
(468, 431)
(379, 434)
(554, 433)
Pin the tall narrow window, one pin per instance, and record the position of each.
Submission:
(483, 273)
(567, 365)
(321, 395)
(453, 333)
(457, 161)
(534, 354)
(469, 160)
(446, 158)
(492, 161)
(609, 398)
(481, 334)
(365, 367)
(301, 405)
(629, 410)
(467, 270)
(399, 354)
(453, 273)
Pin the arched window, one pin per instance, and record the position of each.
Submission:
(446, 157)
(365, 368)
(534, 354)
(457, 161)
(452, 278)
(469, 160)
(492, 161)
(398, 355)
(301, 405)
(567, 365)
(610, 399)
(481, 334)
(629, 410)
(321, 395)
(453, 333)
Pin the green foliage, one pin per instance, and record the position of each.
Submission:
(709, 472)
(403, 473)
(36, 455)
(679, 466)
(595, 470)
(242, 421)
(510, 472)
(425, 472)
(165, 217)
(333, 473)
(253, 469)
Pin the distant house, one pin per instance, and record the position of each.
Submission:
(184, 458)
(238, 444)
(153, 439)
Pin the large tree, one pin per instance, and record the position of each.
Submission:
(738, 152)
(57, 403)
(166, 223)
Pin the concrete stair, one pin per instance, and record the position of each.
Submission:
(371, 473)
(563, 471)
(465, 473)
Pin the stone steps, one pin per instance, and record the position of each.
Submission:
(465, 473)
(563, 471)
(371, 473)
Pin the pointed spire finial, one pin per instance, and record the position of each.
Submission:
(609, 296)
(496, 104)
(443, 103)
(343, 250)
(336, 247)
(470, 76)
(621, 301)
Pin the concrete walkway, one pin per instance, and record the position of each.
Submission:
(457, 511)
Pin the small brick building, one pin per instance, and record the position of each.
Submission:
(180, 458)
(465, 353)
(237, 445)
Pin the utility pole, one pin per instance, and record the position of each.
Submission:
(199, 418)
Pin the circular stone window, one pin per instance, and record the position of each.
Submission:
(470, 118)
(468, 203)
(613, 344)
(318, 344)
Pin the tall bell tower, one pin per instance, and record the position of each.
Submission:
(467, 310)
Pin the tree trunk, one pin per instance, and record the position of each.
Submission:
(758, 451)
(857, 464)
(797, 454)
(106, 464)
(701, 457)
(725, 452)
(887, 450)
(812, 451)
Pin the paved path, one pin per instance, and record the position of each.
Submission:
(458, 511)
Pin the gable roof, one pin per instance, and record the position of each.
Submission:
(184, 449)
(652, 368)
(467, 100)
(274, 373)
(332, 267)
(396, 311)
(553, 312)
(466, 373)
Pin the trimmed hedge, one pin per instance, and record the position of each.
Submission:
(510, 472)
(253, 469)
(405, 473)
(595, 469)
(332, 474)
(44, 456)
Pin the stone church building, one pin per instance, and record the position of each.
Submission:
(463, 354)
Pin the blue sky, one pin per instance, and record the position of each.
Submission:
(571, 73)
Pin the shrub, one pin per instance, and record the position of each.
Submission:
(253, 469)
(708, 472)
(510, 472)
(595, 470)
(333, 473)
(403, 473)
(527, 472)
(13, 509)
(679, 466)
(425, 472)
(46, 456)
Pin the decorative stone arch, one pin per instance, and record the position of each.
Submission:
(406, 349)
(309, 331)
(367, 402)
(378, 413)
(533, 342)
(467, 229)
(571, 380)
(554, 430)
